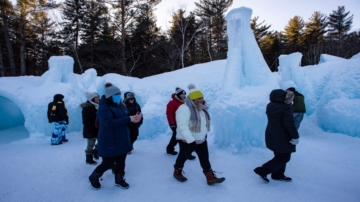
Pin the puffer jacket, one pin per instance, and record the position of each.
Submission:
(171, 108)
(114, 135)
(280, 128)
(88, 119)
(183, 121)
(133, 109)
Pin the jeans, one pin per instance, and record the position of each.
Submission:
(186, 150)
(298, 117)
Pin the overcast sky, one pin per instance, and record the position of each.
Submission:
(276, 13)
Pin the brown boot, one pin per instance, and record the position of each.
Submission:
(211, 177)
(178, 175)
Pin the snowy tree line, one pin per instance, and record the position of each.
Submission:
(121, 36)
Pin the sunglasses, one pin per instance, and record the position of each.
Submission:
(131, 99)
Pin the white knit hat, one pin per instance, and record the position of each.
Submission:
(90, 96)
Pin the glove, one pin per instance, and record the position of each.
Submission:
(173, 126)
(294, 141)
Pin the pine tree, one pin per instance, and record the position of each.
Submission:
(314, 37)
(144, 36)
(294, 33)
(339, 23)
(260, 29)
(6, 15)
(72, 15)
(212, 14)
(92, 25)
(182, 32)
(271, 46)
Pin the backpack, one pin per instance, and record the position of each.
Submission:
(51, 113)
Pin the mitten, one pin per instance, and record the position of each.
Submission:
(294, 141)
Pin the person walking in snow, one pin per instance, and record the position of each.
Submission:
(298, 107)
(90, 132)
(57, 114)
(133, 108)
(193, 124)
(113, 137)
(177, 99)
(281, 135)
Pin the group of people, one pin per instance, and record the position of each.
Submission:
(114, 123)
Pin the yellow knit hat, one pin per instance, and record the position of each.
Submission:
(194, 93)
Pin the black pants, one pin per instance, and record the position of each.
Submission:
(173, 141)
(134, 133)
(277, 165)
(108, 162)
(200, 149)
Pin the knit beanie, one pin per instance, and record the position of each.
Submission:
(291, 88)
(111, 90)
(179, 91)
(194, 93)
(90, 96)
(128, 95)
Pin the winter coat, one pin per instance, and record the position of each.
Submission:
(61, 111)
(280, 128)
(114, 135)
(133, 108)
(88, 119)
(171, 108)
(183, 121)
(299, 103)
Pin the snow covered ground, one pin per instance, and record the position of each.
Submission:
(324, 168)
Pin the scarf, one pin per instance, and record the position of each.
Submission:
(195, 118)
(95, 104)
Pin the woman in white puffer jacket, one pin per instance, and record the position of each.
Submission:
(193, 124)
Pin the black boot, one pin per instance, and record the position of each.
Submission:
(94, 180)
(89, 159)
(120, 180)
(95, 154)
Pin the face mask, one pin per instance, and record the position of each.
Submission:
(116, 99)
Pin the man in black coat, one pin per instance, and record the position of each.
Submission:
(281, 135)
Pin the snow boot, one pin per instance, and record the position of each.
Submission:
(120, 181)
(172, 152)
(211, 177)
(262, 176)
(178, 174)
(89, 159)
(285, 179)
(94, 180)
(95, 154)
